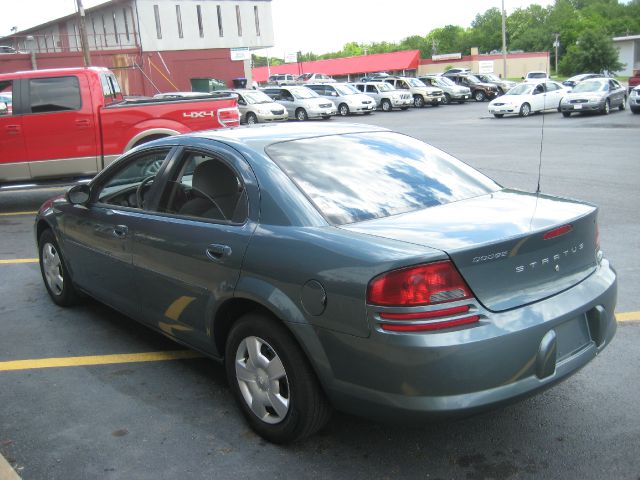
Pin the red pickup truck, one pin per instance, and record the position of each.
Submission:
(73, 122)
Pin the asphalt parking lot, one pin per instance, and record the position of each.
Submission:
(87, 393)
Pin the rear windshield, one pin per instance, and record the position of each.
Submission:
(356, 177)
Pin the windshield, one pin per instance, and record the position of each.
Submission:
(490, 77)
(473, 79)
(537, 75)
(257, 97)
(385, 87)
(361, 176)
(444, 82)
(588, 86)
(522, 89)
(345, 89)
(304, 93)
(414, 82)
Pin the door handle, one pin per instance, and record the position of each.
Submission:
(82, 123)
(120, 231)
(216, 251)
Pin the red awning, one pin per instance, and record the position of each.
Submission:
(379, 62)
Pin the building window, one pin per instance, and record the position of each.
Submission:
(257, 19)
(200, 24)
(115, 29)
(156, 12)
(179, 19)
(126, 23)
(239, 20)
(220, 30)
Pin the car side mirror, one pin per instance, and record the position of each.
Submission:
(78, 194)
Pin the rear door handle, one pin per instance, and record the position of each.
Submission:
(13, 129)
(120, 231)
(216, 251)
(83, 123)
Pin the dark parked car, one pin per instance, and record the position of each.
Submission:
(342, 266)
(480, 91)
(595, 95)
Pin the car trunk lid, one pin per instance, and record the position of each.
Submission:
(511, 247)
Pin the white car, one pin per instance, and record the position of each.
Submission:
(535, 76)
(527, 98)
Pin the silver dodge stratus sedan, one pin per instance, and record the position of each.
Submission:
(337, 266)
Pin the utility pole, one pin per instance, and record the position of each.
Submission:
(84, 41)
(556, 44)
(504, 43)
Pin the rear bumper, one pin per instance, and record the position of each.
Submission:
(507, 356)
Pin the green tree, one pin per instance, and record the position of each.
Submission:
(486, 30)
(593, 52)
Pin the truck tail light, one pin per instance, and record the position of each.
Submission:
(229, 117)
(436, 283)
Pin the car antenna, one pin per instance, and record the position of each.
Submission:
(541, 144)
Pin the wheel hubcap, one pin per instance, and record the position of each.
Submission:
(52, 268)
(262, 380)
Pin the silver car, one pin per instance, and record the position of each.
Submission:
(347, 98)
(503, 85)
(596, 95)
(452, 92)
(307, 78)
(258, 107)
(302, 103)
(385, 96)
(422, 94)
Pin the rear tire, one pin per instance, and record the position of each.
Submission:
(54, 271)
(272, 381)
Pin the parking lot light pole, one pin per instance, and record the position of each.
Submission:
(84, 41)
(504, 43)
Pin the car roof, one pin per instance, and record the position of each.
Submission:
(260, 136)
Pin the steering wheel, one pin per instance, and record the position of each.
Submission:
(140, 187)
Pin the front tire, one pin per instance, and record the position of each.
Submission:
(525, 110)
(566, 114)
(606, 108)
(623, 105)
(301, 115)
(251, 118)
(54, 272)
(498, 115)
(343, 110)
(386, 105)
(272, 380)
(447, 99)
(418, 101)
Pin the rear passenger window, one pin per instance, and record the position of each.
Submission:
(54, 94)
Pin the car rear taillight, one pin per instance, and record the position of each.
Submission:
(229, 117)
(436, 283)
(422, 285)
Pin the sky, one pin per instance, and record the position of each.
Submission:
(310, 26)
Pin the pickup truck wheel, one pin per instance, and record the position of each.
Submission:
(418, 101)
(343, 109)
(386, 105)
(479, 96)
(301, 115)
(272, 381)
(54, 272)
(251, 118)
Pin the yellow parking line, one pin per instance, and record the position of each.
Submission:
(7, 214)
(628, 316)
(98, 360)
(6, 472)
(18, 260)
